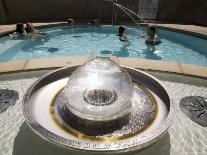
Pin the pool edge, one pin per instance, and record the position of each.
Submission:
(58, 62)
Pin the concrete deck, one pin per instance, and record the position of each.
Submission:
(5, 29)
(199, 31)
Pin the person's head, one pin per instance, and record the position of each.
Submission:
(97, 22)
(151, 31)
(70, 21)
(29, 27)
(20, 28)
(121, 30)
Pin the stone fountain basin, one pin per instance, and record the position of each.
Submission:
(37, 112)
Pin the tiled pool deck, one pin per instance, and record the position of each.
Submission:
(152, 65)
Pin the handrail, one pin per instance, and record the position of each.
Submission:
(124, 9)
(141, 32)
(138, 16)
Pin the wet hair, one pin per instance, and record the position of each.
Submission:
(70, 21)
(152, 28)
(29, 27)
(20, 28)
(121, 30)
(96, 21)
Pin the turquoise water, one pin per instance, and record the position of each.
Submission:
(103, 41)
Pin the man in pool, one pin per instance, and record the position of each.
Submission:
(152, 38)
(121, 35)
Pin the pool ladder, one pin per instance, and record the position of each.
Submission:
(129, 13)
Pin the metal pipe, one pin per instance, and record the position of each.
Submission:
(141, 32)
(127, 13)
(120, 6)
(115, 14)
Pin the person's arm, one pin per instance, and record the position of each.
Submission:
(123, 38)
(13, 34)
(41, 33)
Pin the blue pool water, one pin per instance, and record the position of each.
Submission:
(103, 41)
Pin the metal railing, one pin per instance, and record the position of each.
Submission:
(127, 12)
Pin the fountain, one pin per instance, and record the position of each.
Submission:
(98, 106)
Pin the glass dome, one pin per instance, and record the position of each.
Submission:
(99, 90)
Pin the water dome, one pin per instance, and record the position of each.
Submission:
(99, 90)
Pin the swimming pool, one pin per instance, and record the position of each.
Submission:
(103, 41)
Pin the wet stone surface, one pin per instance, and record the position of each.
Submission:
(195, 107)
(7, 99)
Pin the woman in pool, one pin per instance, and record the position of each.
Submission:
(121, 35)
(152, 38)
(31, 30)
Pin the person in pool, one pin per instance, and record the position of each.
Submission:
(97, 22)
(70, 22)
(20, 30)
(121, 35)
(152, 38)
(31, 30)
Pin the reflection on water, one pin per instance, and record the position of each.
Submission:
(52, 49)
(124, 52)
(34, 43)
(106, 52)
(28, 143)
(150, 53)
(30, 45)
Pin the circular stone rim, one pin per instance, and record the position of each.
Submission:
(132, 144)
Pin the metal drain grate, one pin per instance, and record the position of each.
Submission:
(7, 99)
(195, 107)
